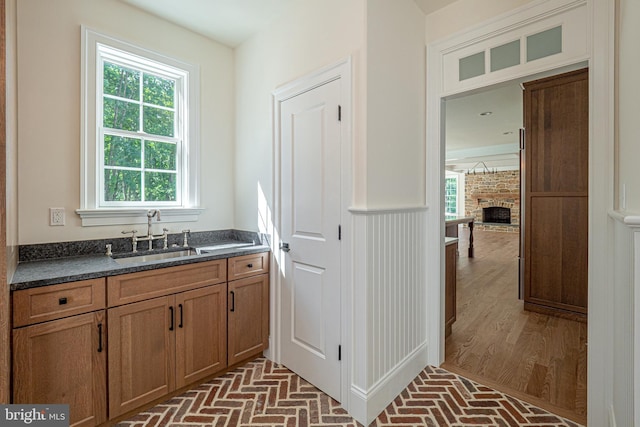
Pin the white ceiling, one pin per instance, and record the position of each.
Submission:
(231, 22)
(469, 137)
(228, 21)
(494, 138)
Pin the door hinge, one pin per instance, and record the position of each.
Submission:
(339, 352)
(339, 113)
(339, 232)
(522, 138)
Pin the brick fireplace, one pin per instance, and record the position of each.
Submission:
(497, 194)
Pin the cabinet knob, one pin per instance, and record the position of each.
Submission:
(62, 301)
(250, 265)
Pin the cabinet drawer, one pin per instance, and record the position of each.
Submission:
(133, 287)
(248, 265)
(44, 303)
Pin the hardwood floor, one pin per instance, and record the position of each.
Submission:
(535, 357)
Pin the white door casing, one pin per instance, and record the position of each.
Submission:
(598, 22)
(310, 216)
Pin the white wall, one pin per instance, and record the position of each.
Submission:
(311, 35)
(627, 103)
(49, 111)
(465, 14)
(396, 60)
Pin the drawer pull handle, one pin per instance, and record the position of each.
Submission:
(171, 315)
(233, 301)
(250, 265)
(99, 337)
(180, 324)
(62, 301)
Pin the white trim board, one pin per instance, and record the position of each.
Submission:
(599, 21)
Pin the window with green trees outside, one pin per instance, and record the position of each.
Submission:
(451, 195)
(140, 130)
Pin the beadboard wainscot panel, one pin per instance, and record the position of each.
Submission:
(389, 306)
(626, 329)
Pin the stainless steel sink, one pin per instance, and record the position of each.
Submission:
(212, 248)
(155, 257)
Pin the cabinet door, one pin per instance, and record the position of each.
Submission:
(201, 333)
(63, 361)
(556, 198)
(141, 353)
(248, 317)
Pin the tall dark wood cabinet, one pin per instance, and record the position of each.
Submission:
(555, 194)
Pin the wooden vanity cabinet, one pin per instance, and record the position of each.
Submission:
(167, 328)
(59, 353)
(248, 313)
(161, 344)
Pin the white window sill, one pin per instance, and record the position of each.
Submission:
(97, 217)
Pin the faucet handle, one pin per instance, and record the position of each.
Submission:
(184, 240)
(132, 232)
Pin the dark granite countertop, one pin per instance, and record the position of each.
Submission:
(54, 270)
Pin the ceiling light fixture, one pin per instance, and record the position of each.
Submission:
(486, 113)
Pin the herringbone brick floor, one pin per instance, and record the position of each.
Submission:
(262, 393)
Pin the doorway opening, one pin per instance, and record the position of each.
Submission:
(536, 357)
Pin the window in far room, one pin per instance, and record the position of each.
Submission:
(454, 193)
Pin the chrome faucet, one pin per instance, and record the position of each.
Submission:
(149, 237)
(150, 215)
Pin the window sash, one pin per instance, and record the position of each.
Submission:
(141, 65)
(451, 195)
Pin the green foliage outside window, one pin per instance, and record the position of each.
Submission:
(138, 106)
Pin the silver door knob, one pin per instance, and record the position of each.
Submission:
(284, 247)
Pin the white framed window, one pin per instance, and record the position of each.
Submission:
(454, 193)
(140, 133)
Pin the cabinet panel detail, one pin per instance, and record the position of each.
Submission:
(141, 361)
(140, 286)
(201, 333)
(57, 301)
(248, 317)
(59, 362)
(248, 265)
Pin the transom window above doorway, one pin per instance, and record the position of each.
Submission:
(536, 46)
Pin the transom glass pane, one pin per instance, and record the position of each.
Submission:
(545, 43)
(471, 66)
(505, 56)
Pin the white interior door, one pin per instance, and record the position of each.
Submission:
(310, 220)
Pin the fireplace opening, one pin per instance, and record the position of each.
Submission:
(496, 215)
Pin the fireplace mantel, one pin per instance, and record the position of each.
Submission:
(488, 196)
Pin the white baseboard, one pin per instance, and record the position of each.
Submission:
(366, 405)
